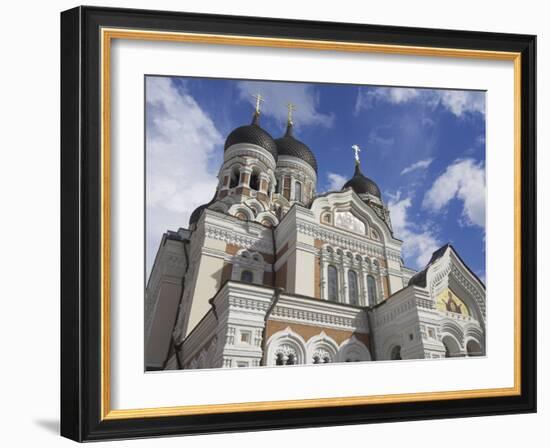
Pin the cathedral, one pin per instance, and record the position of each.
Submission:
(271, 273)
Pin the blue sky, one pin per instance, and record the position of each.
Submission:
(425, 148)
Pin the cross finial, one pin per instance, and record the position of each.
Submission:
(357, 151)
(259, 99)
(291, 108)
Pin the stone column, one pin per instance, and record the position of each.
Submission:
(322, 276)
(245, 174)
(363, 286)
(344, 295)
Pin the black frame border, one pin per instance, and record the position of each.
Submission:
(81, 223)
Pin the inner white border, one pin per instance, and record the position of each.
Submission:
(132, 388)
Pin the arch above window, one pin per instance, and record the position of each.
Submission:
(353, 350)
(322, 349)
(286, 348)
(473, 348)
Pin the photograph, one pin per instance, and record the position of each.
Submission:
(274, 223)
(293, 223)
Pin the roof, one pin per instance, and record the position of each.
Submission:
(419, 279)
(288, 145)
(361, 184)
(195, 216)
(252, 134)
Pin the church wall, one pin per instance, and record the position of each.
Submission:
(162, 297)
(158, 341)
(309, 331)
(385, 285)
(291, 273)
(227, 271)
(317, 278)
(281, 277)
(396, 323)
(395, 280)
(208, 281)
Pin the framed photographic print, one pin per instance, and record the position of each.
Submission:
(275, 224)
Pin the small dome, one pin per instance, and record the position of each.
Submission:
(254, 135)
(196, 215)
(361, 184)
(289, 146)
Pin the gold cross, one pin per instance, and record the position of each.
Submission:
(291, 108)
(259, 98)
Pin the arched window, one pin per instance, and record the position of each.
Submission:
(332, 282)
(247, 277)
(371, 289)
(473, 348)
(452, 349)
(298, 191)
(280, 360)
(352, 288)
(396, 352)
(234, 179)
(254, 182)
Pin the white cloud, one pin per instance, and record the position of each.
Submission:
(418, 244)
(464, 180)
(336, 181)
(420, 165)
(461, 101)
(377, 137)
(458, 102)
(181, 140)
(278, 95)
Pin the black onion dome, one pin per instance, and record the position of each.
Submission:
(290, 146)
(195, 216)
(362, 184)
(254, 135)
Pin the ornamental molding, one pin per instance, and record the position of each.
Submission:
(316, 318)
(248, 304)
(346, 242)
(288, 165)
(240, 239)
(248, 150)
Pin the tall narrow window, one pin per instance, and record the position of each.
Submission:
(254, 182)
(247, 276)
(286, 187)
(352, 288)
(234, 180)
(332, 283)
(371, 288)
(298, 191)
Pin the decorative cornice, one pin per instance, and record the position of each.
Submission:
(241, 240)
(347, 242)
